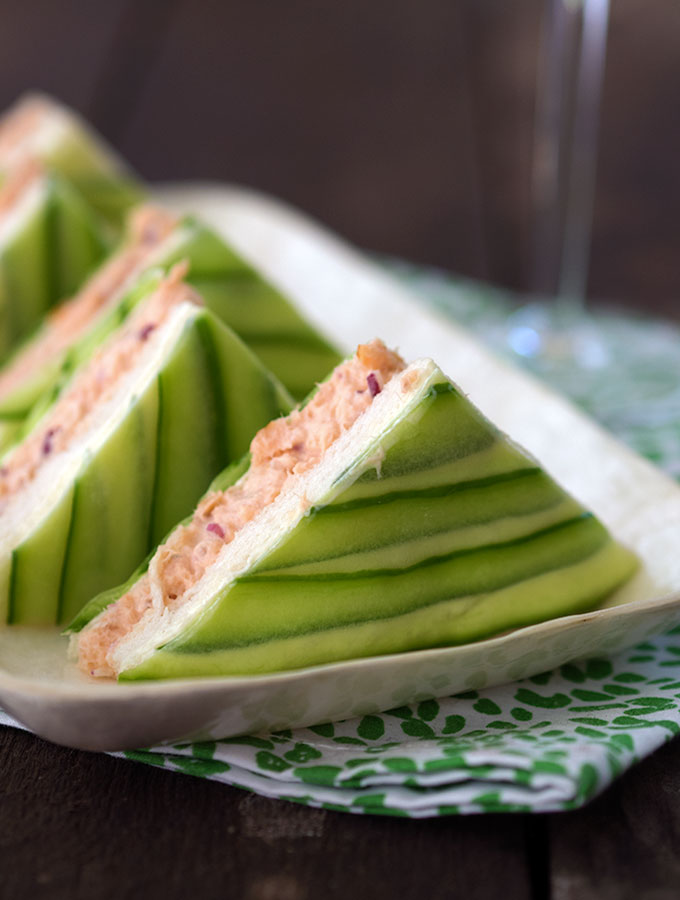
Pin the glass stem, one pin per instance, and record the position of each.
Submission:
(565, 145)
(580, 201)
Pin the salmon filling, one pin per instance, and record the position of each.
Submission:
(93, 385)
(280, 453)
(20, 124)
(148, 228)
(18, 182)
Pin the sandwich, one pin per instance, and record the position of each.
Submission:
(385, 514)
(38, 128)
(126, 448)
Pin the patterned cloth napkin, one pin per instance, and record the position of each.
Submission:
(547, 743)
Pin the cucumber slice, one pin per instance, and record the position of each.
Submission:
(111, 511)
(55, 242)
(27, 283)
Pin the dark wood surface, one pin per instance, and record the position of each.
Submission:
(83, 825)
(408, 128)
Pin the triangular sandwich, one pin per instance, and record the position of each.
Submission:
(386, 514)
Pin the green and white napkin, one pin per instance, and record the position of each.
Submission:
(547, 743)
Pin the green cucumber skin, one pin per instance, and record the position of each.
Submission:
(175, 437)
(109, 528)
(306, 603)
(221, 482)
(259, 313)
(79, 240)
(25, 275)
(189, 403)
(422, 525)
(10, 430)
(42, 263)
(37, 564)
(446, 623)
(211, 362)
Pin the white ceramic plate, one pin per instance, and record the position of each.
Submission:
(352, 300)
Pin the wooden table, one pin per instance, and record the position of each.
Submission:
(80, 825)
(408, 128)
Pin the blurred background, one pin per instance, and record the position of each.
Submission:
(408, 126)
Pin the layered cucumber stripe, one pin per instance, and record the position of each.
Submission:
(80, 240)
(26, 272)
(262, 317)
(190, 445)
(422, 524)
(112, 196)
(379, 615)
(153, 467)
(112, 503)
(255, 309)
(46, 259)
(436, 544)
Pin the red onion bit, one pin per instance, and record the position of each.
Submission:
(216, 529)
(150, 234)
(146, 331)
(47, 440)
(373, 384)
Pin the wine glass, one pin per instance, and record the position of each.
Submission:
(569, 89)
